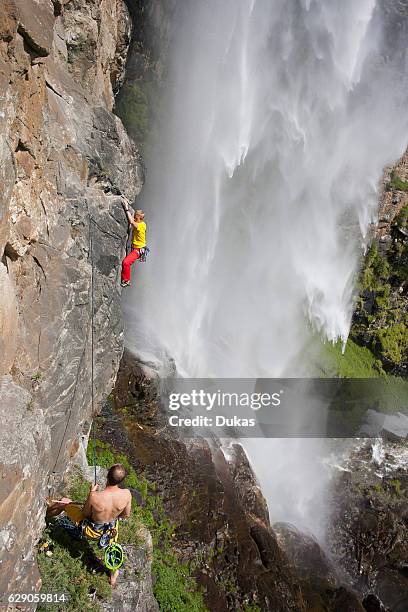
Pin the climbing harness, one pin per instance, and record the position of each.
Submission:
(143, 253)
(106, 534)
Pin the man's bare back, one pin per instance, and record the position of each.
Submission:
(101, 506)
(105, 506)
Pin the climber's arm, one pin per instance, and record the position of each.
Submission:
(125, 204)
(127, 510)
(87, 509)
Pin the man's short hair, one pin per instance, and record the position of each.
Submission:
(116, 474)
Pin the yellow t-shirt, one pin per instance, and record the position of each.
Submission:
(139, 235)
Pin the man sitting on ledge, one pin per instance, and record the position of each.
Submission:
(101, 509)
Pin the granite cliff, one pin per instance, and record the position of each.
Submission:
(65, 158)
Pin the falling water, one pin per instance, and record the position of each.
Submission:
(279, 119)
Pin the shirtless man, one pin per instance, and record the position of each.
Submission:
(101, 507)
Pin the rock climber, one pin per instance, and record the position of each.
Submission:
(100, 512)
(138, 242)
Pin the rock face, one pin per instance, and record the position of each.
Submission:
(64, 158)
(134, 590)
(369, 525)
(320, 586)
(138, 102)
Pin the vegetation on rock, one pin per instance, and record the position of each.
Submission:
(381, 318)
(355, 362)
(72, 567)
(395, 183)
(175, 588)
(133, 108)
(76, 567)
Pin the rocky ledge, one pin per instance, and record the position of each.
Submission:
(369, 525)
(65, 158)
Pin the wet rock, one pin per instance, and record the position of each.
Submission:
(368, 534)
(306, 556)
(320, 584)
(372, 603)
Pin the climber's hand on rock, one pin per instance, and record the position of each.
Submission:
(58, 502)
(64, 501)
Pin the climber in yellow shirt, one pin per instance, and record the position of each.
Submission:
(138, 242)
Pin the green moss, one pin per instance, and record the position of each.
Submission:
(133, 108)
(396, 485)
(355, 362)
(393, 342)
(104, 455)
(395, 183)
(175, 589)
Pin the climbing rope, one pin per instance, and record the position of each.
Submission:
(91, 256)
(92, 344)
(91, 222)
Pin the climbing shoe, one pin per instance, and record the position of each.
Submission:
(125, 284)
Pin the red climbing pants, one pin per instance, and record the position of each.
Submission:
(127, 262)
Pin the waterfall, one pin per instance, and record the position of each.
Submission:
(280, 116)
